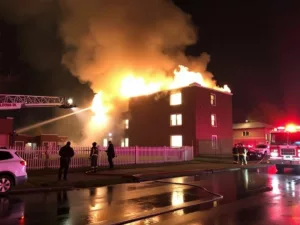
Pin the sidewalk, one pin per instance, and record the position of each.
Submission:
(47, 180)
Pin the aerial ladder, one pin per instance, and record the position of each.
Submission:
(13, 102)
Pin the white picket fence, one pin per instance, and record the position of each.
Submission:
(42, 158)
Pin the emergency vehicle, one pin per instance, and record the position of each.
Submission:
(285, 147)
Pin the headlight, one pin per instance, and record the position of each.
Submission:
(274, 154)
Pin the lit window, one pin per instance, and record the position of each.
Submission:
(214, 142)
(213, 99)
(105, 142)
(175, 99)
(123, 143)
(126, 142)
(126, 123)
(213, 120)
(176, 141)
(176, 119)
(245, 133)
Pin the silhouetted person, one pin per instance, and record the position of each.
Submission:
(62, 203)
(110, 154)
(242, 154)
(94, 156)
(66, 153)
(235, 153)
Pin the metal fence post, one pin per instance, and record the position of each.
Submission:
(136, 154)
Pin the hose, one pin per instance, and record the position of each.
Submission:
(219, 197)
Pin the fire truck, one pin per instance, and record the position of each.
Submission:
(285, 148)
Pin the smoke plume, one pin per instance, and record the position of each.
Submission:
(109, 39)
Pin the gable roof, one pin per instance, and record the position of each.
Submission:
(251, 125)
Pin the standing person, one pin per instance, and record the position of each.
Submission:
(66, 153)
(94, 157)
(242, 154)
(110, 154)
(235, 154)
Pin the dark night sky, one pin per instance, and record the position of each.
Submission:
(254, 47)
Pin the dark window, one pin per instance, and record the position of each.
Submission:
(245, 133)
(5, 156)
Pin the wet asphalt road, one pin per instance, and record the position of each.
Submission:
(242, 202)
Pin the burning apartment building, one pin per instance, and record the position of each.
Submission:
(189, 116)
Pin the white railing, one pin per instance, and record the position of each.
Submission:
(42, 157)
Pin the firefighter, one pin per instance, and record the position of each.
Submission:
(65, 153)
(242, 154)
(110, 154)
(235, 154)
(94, 157)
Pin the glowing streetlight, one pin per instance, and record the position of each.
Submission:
(110, 134)
(70, 101)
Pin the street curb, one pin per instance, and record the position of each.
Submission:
(42, 189)
(138, 178)
(165, 175)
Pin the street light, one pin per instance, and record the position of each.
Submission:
(70, 101)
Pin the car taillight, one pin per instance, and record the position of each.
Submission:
(274, 152)
(23, 163)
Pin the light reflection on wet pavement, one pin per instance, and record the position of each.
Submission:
(113, 204)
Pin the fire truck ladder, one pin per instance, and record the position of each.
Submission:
(8, 102)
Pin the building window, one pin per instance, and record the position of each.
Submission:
(176, 141)
(214, 142)
(213, 100)
(245, 133)
(213, 120)
(125, 142)
(176, 119)
(105, 142)
(126, 123)
(176, 99)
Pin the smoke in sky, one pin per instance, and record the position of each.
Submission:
(102, 41)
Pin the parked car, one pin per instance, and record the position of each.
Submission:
(263, 149)
(12, 170)
(253, 155)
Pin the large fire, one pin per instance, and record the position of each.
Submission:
(132, 86)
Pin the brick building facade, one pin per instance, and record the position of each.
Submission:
(251, 133)
(190, 116)
(9, 138)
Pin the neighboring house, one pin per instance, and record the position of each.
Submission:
(190, 116)
(251, 133)
(6, 130)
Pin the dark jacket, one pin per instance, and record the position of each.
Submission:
(110, 151)
(235, 150)
(94, 151)
(242, 150)
(66, 152)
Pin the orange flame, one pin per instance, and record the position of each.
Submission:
(132, 86)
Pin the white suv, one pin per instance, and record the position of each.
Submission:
(263, 149)
(12, 170)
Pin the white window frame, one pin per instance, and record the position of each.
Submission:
(213, 99)
(105, 142)
(174, 98)
(176, 135)
(126, 142)
(214, 142)
(177, 119)
(213, 122)
(126, 123)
